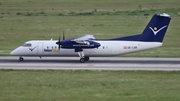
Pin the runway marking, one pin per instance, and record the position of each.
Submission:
(58, 63)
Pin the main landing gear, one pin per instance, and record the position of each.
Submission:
(82, 57)
(86, 58)
(21, 59)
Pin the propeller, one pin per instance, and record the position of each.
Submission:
(59, 41)
(63, 36)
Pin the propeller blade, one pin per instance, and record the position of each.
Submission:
(59, 46)
(63, 36)
(59, 38)
(59, 42)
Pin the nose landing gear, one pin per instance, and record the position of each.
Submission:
(21, 59)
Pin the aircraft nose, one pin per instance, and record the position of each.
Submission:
(14, 52)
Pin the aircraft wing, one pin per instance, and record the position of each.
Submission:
(84, 39)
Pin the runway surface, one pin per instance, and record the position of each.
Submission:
(95, 63)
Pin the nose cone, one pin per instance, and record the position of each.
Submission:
(14, 52)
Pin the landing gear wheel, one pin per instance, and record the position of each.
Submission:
(21, 59)
(82, 60)
(86, 58)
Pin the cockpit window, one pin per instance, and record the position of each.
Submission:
(26, 45)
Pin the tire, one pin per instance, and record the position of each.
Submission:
(82, 60)
(86, 58)
(21, 59)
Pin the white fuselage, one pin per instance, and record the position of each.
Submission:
(107, 48)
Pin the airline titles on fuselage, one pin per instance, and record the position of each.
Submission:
(53, 49)
(83, 45)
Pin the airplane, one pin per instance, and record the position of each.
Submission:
(87, 46)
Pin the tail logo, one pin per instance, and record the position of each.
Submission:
(155, 31)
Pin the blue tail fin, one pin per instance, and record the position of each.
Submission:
(154, 31)
(156, 28)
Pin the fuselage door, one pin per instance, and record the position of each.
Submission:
(40, 48)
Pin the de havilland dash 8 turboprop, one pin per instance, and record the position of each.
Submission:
(87, 46)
